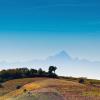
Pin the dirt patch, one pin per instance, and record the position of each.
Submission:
(78, 96)
(40, 96)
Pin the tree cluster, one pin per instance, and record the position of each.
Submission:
(10, 74)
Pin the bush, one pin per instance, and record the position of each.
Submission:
(18, 86)
(1, 86)
(81, 81)
(25, 90)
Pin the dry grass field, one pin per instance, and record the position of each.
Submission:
(48, 89)
(11, 85)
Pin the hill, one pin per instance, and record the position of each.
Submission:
(48, 89)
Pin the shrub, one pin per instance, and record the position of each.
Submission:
(81, 81)
(25, 90)
(1, 86)
(18, 86)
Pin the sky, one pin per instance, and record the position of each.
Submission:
(36, 29)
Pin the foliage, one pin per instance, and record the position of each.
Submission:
(18, 86)
(81, 80)
(17, 73)
(25, 90)
(1, 86)
(52, 69)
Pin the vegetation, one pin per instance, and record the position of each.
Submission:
(52, 69)
(68, 86)
(1, 86)
(38, 84)
(17, 73)
(81, 80)
(32, 86)
(11, 85)
(18, 86)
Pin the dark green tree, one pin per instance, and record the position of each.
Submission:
(40, 72)
(52, 69)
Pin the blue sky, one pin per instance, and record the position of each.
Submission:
(32, 29)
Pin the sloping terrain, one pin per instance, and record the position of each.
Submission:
(11, 85)
(51, 89)
(39, 96)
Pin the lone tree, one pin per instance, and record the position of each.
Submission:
(52, 69)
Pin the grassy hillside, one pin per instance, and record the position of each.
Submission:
(12, 84)
(40, 88)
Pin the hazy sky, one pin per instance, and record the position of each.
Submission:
(32, 29)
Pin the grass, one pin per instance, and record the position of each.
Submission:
(92, 92)
(44, 83)
(67, 88)
(11, 85)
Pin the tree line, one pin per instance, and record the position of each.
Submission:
(10, 74)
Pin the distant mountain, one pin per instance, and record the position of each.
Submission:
(66, 65)
(62, 56)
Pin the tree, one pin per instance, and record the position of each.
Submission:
(40, 72)
(52, 69)
(10, 74)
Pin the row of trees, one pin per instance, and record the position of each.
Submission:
(9, 74)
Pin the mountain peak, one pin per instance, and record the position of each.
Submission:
(63, 54)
